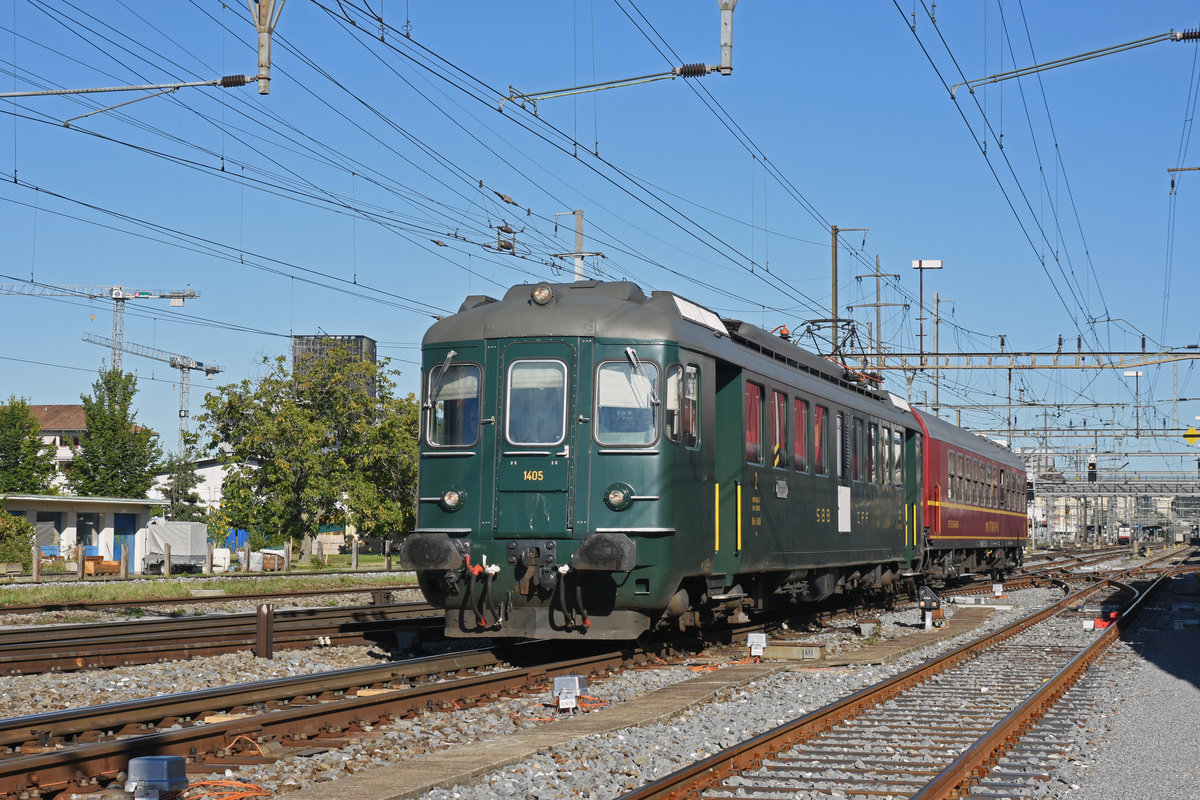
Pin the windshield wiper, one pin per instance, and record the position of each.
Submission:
(438, 381)
(632, 355)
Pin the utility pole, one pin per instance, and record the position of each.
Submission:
(118, 294)
(921, 265)
(1136, 374)
(835, 230)
(578, 255)
(878, 306)
(936, 322)
(184, 364)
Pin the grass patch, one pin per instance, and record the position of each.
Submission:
(169, 588)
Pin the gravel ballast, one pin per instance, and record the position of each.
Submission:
(600, 766)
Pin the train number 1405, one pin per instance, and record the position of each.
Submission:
(534, 474)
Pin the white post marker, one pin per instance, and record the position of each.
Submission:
(757, 643)
(567, 689)
(998, 589)
(567, 700)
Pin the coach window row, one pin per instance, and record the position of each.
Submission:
(798, 436)
(976, 482)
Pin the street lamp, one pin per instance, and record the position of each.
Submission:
(921, 265)
(1136, 374)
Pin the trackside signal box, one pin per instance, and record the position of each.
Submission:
(927, 600)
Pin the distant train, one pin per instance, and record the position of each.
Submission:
(599, 463)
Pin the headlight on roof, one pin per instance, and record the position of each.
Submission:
(542, 294)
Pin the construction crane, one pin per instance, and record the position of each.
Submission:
(118, 295)
(184, 364)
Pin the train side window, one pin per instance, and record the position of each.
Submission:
(898, 457)
(962, 480)
(885, 456)
(842, 433)
(691, 406)
(976, 478)
(950, 476)
(872, 453)
(626, 403)
(991, 485)
(800, 435)
(681, 417)
(673, 403)
(820, 440)
(779, 437)
(754, 416)
(856, 451)
(1003, 491)
(537, 402)
(453, 406)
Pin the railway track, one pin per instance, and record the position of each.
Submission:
(963, 719)
(73, 647)
(83, 750)
(383, 591)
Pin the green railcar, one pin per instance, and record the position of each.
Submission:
(599, 463)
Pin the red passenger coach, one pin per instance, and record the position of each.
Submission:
(973, 491)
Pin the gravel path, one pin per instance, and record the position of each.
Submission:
(1149, 744)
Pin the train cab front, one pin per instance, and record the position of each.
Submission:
(502, 541)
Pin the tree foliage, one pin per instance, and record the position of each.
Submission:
(313, 447)
(26, 464)
(116, 457)
(16, 539)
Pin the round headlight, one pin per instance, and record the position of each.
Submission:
(619, 496)
(542, 294)
(452, 500)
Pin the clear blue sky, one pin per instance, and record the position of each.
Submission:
(316, 208)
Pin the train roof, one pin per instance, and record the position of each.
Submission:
(620, 309)
(962, 439)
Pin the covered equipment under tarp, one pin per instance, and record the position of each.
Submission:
(188, 542)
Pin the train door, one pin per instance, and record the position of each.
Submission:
(535, 439)
(728, 463)
(915, 527)
(585, 449)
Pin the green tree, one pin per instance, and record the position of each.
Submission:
(26, 464)
(314, 446)
(16, 539)
(116, 456)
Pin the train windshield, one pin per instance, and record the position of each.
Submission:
(453, 405)
(626, 403)
(537, 402)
